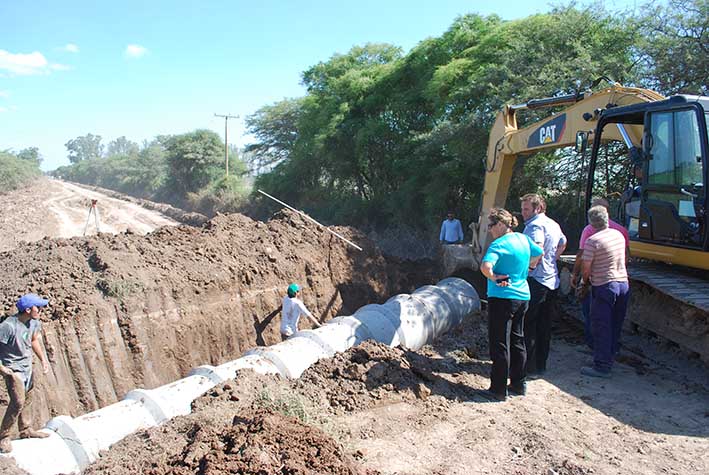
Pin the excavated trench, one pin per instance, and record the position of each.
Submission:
(131, 311)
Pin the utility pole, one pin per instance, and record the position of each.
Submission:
(226, 137)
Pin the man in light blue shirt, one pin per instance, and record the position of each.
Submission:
(451, 230)
(543, 280)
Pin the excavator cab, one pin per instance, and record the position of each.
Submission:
(664, 205)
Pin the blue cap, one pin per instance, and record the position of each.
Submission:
(29, 301)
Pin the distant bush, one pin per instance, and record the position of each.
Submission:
(16, 172)
(224, 195)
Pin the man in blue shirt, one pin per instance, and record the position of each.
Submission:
(451, 230)
(19, 337)
(543, 280)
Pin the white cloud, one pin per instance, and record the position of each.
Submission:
(23, 64)
(135, 51)
(59, 67)
(5, 94)
(70, 48)
(3, 109)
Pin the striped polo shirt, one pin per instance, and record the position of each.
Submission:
(606, 251)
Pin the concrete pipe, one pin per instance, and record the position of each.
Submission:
(334, 337)
(409, 320)
(292, 356)
(48, 456)
(382, 323)
(442, 316)
(415, 320)
(252, 362)
(463, 298)
(87, 435)
(360, 332)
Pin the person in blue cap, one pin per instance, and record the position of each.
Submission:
(291, 311)
(19, 335)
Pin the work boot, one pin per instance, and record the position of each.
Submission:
(33, 434)
(5, 445)
(518, 389)
(494, 396)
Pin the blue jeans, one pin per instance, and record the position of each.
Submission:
(608, 309)
(586, 311)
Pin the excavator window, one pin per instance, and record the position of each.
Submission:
(676, 149)
(672, 196)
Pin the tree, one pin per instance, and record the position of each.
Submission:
(15, 172)
(382, 137)
(674, 47)
(87, 147)
(276, 130)
(122, 146)
(30, 154)
(193, 160)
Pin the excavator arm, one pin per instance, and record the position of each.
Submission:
(507, 141)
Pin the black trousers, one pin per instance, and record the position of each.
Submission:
(537, 326)
(506, 340)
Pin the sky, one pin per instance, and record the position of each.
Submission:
(149, 67)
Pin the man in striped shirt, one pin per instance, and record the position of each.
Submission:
(604, 268)
(585, 234)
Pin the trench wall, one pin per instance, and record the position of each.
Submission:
(129, 311)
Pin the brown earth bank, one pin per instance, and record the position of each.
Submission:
(131, 311)
(399, 412)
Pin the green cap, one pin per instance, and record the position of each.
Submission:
(292, 289)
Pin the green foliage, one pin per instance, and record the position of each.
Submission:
(383, 138)
(16, 171)
(142, 174)
(194, 160)
(120, 289)
(276, 128)
(674, 46)
(291, 405)
(122, 146)
(87, 147)
(31, 155)
(187, 170)
(224, 195)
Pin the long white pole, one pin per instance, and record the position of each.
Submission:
(311, 219)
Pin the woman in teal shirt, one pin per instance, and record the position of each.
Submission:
(505, 265)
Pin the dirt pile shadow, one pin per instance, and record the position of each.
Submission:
(131, 311)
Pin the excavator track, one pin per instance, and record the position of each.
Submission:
(673, 303)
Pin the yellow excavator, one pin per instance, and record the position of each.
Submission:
(667, 142)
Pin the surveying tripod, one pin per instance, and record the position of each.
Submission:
(92, 210)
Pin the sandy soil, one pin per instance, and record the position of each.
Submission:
(55, 208)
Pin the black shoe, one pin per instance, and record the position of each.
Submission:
(519, 389)
(494, 396)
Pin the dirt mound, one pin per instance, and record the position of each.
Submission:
(254, 424)
(360, 377)
(265, 442)
(131, 311)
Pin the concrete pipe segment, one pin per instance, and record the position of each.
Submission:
(411, 321)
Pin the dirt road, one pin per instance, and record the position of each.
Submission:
(54, 208)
